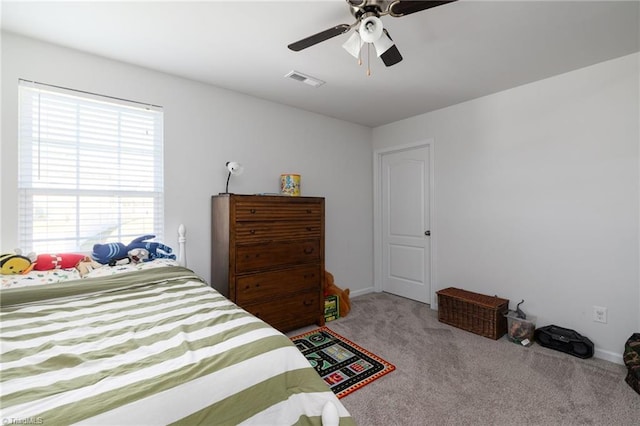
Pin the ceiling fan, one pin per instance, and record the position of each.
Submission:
(369, 28)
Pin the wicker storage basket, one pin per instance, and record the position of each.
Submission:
(477, 313)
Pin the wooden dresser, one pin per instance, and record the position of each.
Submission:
(268, 256)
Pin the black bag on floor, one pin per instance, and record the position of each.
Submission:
(564, 340)
(632, 361)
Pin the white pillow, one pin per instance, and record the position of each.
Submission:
(32, 278)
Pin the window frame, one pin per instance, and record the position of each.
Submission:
(114, 191)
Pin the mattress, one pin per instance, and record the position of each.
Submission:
(156, 346)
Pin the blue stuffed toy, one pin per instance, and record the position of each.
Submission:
(112, 252)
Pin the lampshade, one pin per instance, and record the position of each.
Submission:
(370, 29)
(353, 45)
(234, 169)
(382, 44)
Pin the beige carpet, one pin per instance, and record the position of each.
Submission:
(447, 376)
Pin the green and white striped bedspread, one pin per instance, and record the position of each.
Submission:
(150, 347)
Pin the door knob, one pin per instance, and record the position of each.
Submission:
(427, 233)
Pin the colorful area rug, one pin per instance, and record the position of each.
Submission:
(345, 366)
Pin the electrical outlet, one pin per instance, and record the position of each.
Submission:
(600, 314)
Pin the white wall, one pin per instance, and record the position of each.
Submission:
(205, 127)
(536, 197)
(537, 188)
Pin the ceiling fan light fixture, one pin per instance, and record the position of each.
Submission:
(353, 45)
(370, 29)
(383, 44)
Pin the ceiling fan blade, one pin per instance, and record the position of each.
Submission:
(406, 7)
(392, 55)
(320, 37)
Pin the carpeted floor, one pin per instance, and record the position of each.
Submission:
(446, 376)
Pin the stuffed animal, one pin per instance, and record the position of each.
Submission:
(120, 262)
(343, 295)
(133, 256)
(106, 253)
(46, 262)
(15, 263)
(87, 265)
(138, 255)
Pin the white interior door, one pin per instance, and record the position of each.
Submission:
(406, 250)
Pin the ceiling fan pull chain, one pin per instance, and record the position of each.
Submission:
(368, 61)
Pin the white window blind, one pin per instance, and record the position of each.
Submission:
(91, 170)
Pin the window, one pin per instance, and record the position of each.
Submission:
(91, 170)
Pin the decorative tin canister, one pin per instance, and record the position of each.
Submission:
(290, 185)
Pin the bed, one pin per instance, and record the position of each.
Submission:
(154, 345)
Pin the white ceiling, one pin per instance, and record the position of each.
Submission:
(452, 53)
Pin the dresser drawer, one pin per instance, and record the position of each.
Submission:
(273, 285)
(255, 257)
(256, 231)
(288, 313)
(268, 256)
(256, 211)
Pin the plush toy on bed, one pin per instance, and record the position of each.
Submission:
(330, 288)
(16, 263)
(106, 253)
(86, 265)
(138, 255)
(47, 262)
(134, 256)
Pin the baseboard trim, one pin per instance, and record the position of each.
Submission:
(362, 292)
(608, 356)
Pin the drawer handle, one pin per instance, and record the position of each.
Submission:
(252, 211)
(309, 228)
(252, 231)
(309, 211)
(308, 250)
(308, 302)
